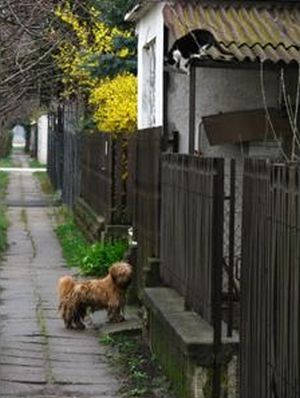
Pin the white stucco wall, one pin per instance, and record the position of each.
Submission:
(150, 30)
(42, 139)
(218, 90)
(18, 135)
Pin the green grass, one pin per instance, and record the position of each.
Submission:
(3, 217)
(6, 162)
(45, 182)
(35, 164)
(92, 259)
(140, 372)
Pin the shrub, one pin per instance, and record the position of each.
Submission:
(5, 144)
(115, 104)
(98, 257)
(92, 259)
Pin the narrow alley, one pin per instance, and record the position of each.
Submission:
(39, 358)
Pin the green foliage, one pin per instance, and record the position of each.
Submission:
(6, 162)
(98, 257)
(113, 12)
(6, 138)
(72, 241)
(35, 164)
(3, 183)
(111, 65)
(44, 181)
(92, 259)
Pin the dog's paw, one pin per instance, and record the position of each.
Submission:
(80, 326)
(116, 319)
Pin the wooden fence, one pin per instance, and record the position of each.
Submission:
(270, 296)
(147, 199)
(192, 230)
(96, 181)
(108, 165)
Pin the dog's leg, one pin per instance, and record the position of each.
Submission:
(114, 314)
(79, 316)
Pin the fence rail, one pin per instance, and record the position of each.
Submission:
(270, 324)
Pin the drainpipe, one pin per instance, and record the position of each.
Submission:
(192, 108)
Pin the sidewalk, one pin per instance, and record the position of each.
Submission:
(38, 357)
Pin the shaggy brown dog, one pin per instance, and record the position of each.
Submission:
(76, 298)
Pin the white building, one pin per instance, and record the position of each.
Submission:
(220, 109)
(42, 139)
(18, 136)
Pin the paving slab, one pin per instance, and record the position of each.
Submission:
(38, 356)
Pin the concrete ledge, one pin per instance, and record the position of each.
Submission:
(183, 342)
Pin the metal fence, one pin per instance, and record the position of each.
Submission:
(72, 153)
(64, 150)
(55, 147)
(270, 297)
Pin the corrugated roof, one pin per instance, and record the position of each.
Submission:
(263, 32)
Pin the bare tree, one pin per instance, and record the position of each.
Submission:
(28, 39)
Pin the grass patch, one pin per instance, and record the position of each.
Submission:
(45, 182)
(6, 162)
(92, 259)
(3, 217)
(141, 374)
(35, 164)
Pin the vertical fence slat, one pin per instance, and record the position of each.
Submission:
(192, 230)
(270, 344)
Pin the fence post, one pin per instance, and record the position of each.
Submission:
(217, 269)
(231, 247)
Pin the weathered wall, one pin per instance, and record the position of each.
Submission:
(218, 90)
(150, 32)
(42, 139)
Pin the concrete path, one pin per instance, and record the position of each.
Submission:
(38, 357)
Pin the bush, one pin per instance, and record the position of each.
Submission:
(5, 144)
(98, 257)
(92, 259)
(114, 103)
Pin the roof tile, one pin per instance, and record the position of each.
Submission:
(265, 32)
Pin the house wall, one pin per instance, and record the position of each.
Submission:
(217, 90)
(42, 139)
(18, 135)
(150, 30)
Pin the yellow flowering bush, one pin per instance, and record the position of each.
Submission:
(113, 100)
(115, 104)
(75, 52)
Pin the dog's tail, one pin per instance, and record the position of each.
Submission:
(65, 286)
